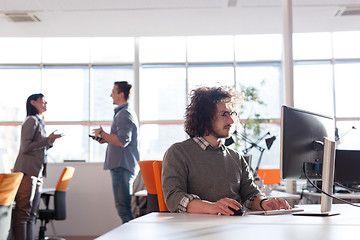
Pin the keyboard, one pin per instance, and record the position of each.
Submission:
(274, 212)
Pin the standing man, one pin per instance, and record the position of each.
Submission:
(200, 174)
(122, 152)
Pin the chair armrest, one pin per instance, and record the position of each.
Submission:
(46, 199)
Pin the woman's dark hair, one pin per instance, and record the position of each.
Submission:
(202, 108)
(124, 87)
(30, 109)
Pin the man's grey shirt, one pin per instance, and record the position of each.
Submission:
(210, 174)
(125, 126)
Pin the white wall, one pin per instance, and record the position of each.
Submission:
(90, 205)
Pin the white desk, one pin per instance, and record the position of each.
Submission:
(170, 226)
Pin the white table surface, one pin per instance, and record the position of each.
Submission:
(204, 226)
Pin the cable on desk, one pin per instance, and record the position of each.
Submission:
(317, 188)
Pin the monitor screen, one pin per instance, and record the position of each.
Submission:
(347, 167)
(302, 138)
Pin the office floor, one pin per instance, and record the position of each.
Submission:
(80, 238)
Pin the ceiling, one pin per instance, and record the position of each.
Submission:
(171, 17)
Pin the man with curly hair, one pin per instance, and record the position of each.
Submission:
(202, 175)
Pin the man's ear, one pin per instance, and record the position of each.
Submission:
(32, 102)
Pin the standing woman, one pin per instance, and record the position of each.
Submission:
(32, 162)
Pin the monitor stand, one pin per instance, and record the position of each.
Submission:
(327, 181)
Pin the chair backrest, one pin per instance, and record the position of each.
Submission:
(269, 176)
(64, 179)
(147, 172)
(157, 166)
(60, 193)
(9, 184)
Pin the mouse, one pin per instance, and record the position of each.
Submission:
(239, 212)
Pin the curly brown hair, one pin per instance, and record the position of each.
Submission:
(202, 108)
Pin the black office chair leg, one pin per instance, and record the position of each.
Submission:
(42, 230)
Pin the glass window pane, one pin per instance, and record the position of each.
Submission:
(162, 92)
(156, 139)
(347, 87)
(313, 88)
(349, 137)
(210, 49)
(346, 44)
(312, 45)
(18, 83)
(66, 50)
(266, 79)
(74, 145)
(210, 75)
(162, 49)
(66, 90)
(271, 157)
(258, 47)
(102, 82)
(9, 146)
(98, 150)
(112, 50)
(20, 50)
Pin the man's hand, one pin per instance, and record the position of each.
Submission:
(219, 207)
(97, 132)
(275, 204)
(222, 206)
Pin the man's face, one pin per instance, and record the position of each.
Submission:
(223, 121)
(115, 95)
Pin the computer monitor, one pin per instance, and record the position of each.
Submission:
(302, 137)
(347, 168)
(308, 149)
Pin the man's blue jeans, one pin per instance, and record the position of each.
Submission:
(121, 179)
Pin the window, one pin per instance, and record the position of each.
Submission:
(157, 138)
(258, 47)
(162, 89)
(162, 49)
(102, 82)
(347, 87)
(210, 75)
(312, 46)
(313, 88)
(20, 50)
(112, 50)
(18, 82)
(66, 89)
(346, 44)
(264, 77)
(65, 50)
(76, 76)
(210, 49)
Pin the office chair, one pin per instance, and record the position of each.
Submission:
(147, 172)
(59, 210)
(157, 166)
(9, 185)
